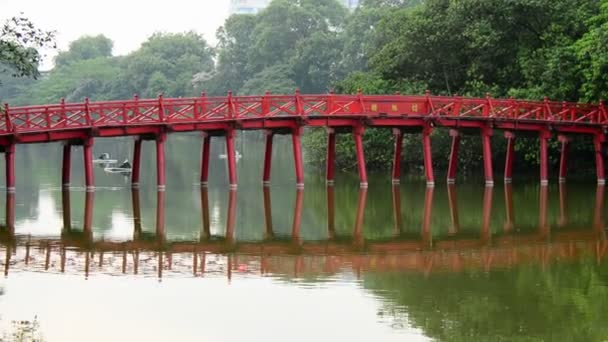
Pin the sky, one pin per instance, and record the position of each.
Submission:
(126, 22)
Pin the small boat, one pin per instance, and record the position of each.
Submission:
(124, 168)
(238, 155)
(104, 158)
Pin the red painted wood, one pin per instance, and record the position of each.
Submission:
(297, 155)
(331, 155)
(136, 163)
(509, 157)
(160, 161)
(453, 163)
(563, 160)
(486, 134)
(66, 164)
(268, 158)
(544, 161)
(397, 156)
(205, 159)
(358, 137)
(428, 157)
(231, 158)
(599, 159)
(9, 156)
(88, 164)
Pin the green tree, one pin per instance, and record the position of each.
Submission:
(87, 47)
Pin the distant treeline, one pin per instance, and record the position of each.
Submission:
(521, 48)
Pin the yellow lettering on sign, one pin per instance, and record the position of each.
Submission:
(374, 107)
(414, 108)
(394, 108)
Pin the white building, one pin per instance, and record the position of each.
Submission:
(255, 6)
(247, 6)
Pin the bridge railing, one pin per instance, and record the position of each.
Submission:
(162, 110)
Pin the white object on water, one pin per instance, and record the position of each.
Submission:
(104, 158)
(238, 155)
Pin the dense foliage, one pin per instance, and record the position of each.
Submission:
(522, 48)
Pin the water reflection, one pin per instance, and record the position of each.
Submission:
(430, 250)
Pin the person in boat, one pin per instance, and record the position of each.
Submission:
(104, 156)
(125, 165)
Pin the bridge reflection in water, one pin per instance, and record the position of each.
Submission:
(76, 251)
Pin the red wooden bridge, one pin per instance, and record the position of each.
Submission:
(152, 119)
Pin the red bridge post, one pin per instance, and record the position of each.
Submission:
(453, 163)
(205, 159)
(231, 216)
(66, 164)
(486, 134)
(331, 156)
(231, 158)
(9, 156)
(160, 216)
(10, 213)
(358, 137)
(397, 217)
(136, 162)
(331, 213)
(268, 158)
(397, 155)
(297, 154)
(428, 156)
(269, 234)
(88, 164)
(510, 155)
(544, 162)
(563, 160)
(88, 213)
(598, 141)
(206, 231)
(358, 236)
(486, 232)
(160, 160)
(297, 216)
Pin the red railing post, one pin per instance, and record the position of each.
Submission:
(87, 112)
(453, 163)
(135, 108)
(360, 101)
(203, 109)
(161, 108)
(457, 105)
(229, 104)
(602, 113)
(429, 103)
(485, 112)
(63, 113)
(298, 103)
(7, 117)
(266, 103)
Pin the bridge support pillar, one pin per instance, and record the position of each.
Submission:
(268, 158)
(66, 165)
(136, 163)
(160, 161)
(331, 155)
(397, 155)
(358, 137)
(231, 158)
(544, 159)
(89, 180)
(598, 140)
(453, 163)
(9, 156)
(486, 134)
(297, 155)
(88, 214)
(206, 149)
(428, 157)
(563, 160)
(509, 157)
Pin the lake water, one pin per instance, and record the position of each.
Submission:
(458, 263)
